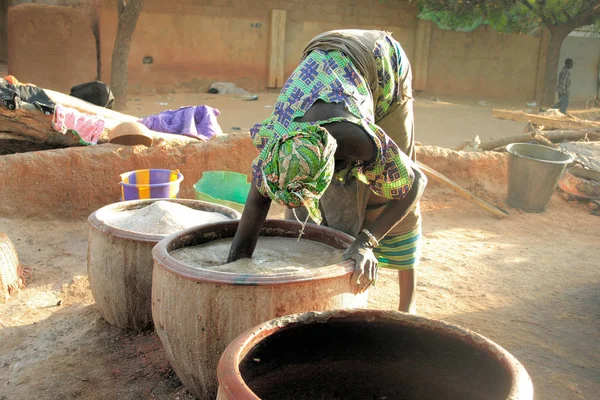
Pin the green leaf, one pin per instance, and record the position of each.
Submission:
(505, 15)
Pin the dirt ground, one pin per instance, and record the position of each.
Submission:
(530, 282)
(455, 119)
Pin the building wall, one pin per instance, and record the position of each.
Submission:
(205, 40)
(3, 30)
(585, 52)
(196, 40)
(304, 23)
(57, 55)
(89, 7)
(483, 63)
(76, 181)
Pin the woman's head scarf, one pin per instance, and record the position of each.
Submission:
(296, 168)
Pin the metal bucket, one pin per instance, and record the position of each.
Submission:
(533, 173)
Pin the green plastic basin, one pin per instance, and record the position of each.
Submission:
(223, 187)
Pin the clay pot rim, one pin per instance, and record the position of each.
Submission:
(162, 258)
(233, 386)
(575, 181)
(98, 223)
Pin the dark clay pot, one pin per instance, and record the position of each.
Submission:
(367, 354)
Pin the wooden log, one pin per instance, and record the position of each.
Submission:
(438, 177)
(113, 118)
(463, 145)
(421, 62)
(29, 123)
(277, 48)
(565, 123)
(553, 136)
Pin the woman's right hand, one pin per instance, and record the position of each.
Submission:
(254, 215)
(365, 270)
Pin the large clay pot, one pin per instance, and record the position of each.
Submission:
(367, 354)
(198, 312)
(120, 263)
(10, 281)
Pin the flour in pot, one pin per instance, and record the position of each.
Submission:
(272, 255)
(162, 218)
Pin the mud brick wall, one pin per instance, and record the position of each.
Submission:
(73, 182)
(51, 46)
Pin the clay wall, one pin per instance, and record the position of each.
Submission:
(50, 46)
(197, 41)
(91, 9)
(483, 63)
(73, 182)
(3, 30)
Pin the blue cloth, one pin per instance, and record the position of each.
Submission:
(195, 121)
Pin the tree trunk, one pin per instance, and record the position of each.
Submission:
(96, 31)
(553, 136)
(3, 30)
(557, 36)
(128, 13)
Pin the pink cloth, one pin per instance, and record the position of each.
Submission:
(88, 127)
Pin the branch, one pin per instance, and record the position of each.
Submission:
(587, 17)
(537, 12)
(530, 6)
(120, 7)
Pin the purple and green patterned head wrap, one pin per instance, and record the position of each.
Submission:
(296, 168)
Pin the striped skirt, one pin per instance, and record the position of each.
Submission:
(400, 252)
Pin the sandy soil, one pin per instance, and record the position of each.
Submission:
(440, 120)
(530, 283)
(443, 123)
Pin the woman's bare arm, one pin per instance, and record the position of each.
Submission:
(253, 218)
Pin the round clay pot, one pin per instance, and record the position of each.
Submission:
(9, 268)
(120, 263)
(198, 312)
(131, 134)
(367, 354)
(581, 183)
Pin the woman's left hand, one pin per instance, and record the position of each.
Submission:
(365, 271)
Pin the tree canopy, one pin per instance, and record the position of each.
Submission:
(508, 16)
(560, 17)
